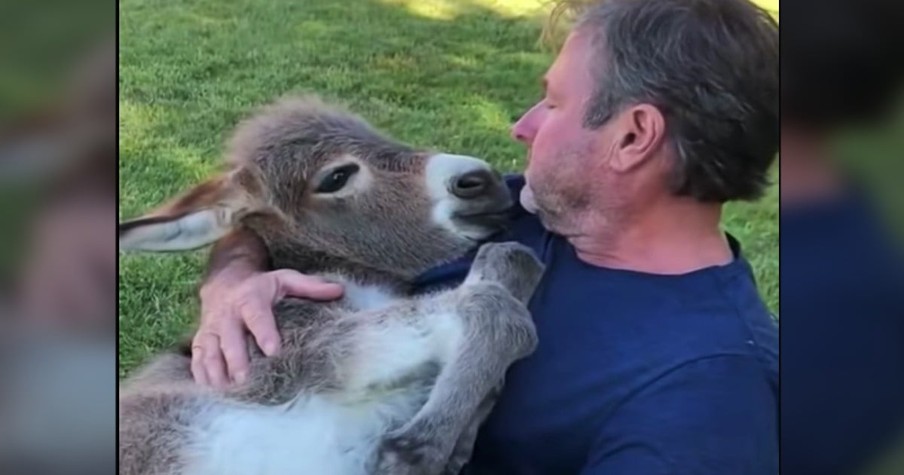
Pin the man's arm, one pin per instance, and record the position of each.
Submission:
(237, 295)
(238, 253)
(712, 416)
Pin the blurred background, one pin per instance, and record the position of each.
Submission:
(57, 251)
(842, 217)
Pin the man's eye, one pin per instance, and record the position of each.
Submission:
(337, 179)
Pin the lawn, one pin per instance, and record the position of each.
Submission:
(450, 74)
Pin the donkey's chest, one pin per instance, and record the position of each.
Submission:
(367, 297)
(312, 435)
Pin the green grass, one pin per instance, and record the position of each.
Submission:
(451, 74)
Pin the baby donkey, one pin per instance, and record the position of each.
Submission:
(380, 381)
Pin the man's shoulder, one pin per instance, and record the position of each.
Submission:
(663, 319)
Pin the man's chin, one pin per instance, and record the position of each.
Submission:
(550, 220)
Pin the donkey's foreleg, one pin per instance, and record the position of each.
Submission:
(497, 331)
(464, 447)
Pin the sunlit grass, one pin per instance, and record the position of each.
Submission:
(449, 9)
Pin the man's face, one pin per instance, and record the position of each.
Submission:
(566, 169)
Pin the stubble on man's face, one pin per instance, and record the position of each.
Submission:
(567, 163)
(562, 188)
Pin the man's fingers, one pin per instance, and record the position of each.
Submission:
(197, 364)
(257, 310)
(293, 283)
(235, 352)
(258, 317)
(212, 360)
(214, 354)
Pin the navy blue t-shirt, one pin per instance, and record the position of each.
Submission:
(842, 285)
(635, 373)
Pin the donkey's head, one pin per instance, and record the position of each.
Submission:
(319, 185)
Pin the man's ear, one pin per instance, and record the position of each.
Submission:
(641, 132)
(197, 218)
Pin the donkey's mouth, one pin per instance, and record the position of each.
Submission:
(505, 211)
(491, 220)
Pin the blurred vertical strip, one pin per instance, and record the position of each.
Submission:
(57, 76)
(58, 153)
(841, 252)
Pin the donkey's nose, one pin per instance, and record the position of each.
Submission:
(472, 184)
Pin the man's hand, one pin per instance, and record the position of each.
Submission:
(239, 301)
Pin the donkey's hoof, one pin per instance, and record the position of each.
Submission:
(409, 454)
(511, 264)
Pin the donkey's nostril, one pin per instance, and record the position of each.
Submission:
(470, 181)
(472, 184)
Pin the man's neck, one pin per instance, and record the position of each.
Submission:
(676, 236)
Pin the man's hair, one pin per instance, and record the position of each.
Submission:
(842, 61)
(710, 66)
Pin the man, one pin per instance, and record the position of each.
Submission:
(842, 273)
(656, 354)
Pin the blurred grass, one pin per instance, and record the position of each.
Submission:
(451, 74)
(39, 43)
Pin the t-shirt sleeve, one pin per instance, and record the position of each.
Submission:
(715, 415)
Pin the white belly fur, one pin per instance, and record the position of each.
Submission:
(314, 435)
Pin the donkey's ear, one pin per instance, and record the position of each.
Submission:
(195, 219)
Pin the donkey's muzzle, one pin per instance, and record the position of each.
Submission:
(474, 184)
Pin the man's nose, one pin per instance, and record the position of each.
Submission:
(523, 130)
(520, 133)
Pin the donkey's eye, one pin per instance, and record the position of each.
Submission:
(336, 179)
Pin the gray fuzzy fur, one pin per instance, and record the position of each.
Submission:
(430, 399)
